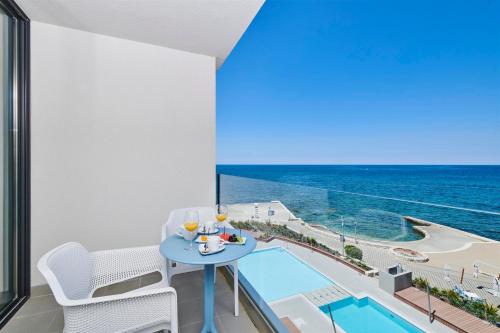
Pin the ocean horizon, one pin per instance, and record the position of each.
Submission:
(371, 200)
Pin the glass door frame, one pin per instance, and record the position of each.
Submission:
(19, 205)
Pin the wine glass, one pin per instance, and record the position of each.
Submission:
(191, 223)
(221, 213)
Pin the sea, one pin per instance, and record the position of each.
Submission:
(371, 201)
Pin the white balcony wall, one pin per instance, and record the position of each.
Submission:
(122, 133)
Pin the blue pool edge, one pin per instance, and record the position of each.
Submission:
(324, 310)
(259, 302)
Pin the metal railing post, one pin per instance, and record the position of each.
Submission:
(217, 189)
(431, 313)
(331, 317)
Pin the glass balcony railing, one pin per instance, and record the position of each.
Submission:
(363, 233)
(368, 216)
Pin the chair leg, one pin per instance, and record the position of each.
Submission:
(236, 289)
(174, 320)
(169, 273)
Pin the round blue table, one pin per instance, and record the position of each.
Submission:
(173, 248)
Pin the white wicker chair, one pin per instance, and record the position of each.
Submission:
(175, 220)
(74, 274)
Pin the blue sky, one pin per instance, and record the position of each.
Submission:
(353, 82)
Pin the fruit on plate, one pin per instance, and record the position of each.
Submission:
(225, 236)
(233, 238)
(204, 238)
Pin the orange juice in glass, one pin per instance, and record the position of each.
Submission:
(191, 222)
(191, 226)
(221, 213)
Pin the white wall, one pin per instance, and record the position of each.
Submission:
(122, 132)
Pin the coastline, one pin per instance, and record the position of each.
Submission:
(420, 225)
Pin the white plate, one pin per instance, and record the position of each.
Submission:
(198, 240)
(201, 249)
(214, 231)
(178, 234)
(180, 230)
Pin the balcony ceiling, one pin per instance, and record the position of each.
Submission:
(210, 27)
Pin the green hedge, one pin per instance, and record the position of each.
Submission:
(269, 229)
(479, 309)
(353, 252)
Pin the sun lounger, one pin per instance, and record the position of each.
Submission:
(494, 292)
(468, 294)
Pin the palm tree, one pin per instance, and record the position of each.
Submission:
(491, 312)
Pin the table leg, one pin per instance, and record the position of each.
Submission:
(209, 325)
(235, 288)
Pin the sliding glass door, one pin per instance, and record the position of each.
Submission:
(6, 287)
(14, 159)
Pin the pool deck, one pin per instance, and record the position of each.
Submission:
(354, 283)
(303, 314)
(446, 313)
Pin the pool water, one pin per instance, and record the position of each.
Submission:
(374, 317)
(276, 274)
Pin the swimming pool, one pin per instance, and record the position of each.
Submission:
(375, 317)
(276, 274)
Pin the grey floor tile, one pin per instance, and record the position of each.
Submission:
(224, 304)
(36, 305)
(15, 326)
(193, 278)
(42, 290)
(57, 323)
(240, 324)
(151, 278)
(221, 285)
(123, 287)
(38, 323)
(196, 327)
(191, 328)
(190, 312)
(100, 292)
(189, 293)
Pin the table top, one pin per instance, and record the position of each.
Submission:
(174, 246)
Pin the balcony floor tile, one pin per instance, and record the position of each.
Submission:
(42, 313)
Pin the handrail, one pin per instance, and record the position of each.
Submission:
(331, 317)
(431, 313)
(217, 189)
